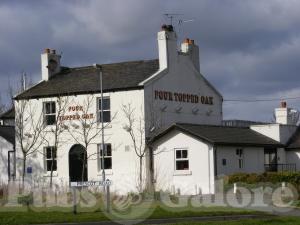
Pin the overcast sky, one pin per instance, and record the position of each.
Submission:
(249, 49)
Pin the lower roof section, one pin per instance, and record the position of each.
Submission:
(222, 135)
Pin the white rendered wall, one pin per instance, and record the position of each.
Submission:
(200, 175)
(181, 77)
(5, 146)
(293, 156)
(253, 158)
(124, 162)
(278, 132)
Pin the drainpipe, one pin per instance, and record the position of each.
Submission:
(209, 183)
(215, 160)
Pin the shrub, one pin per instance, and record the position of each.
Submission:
(26, 200)
(268, 177)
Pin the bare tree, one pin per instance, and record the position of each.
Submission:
(135, 126)
(57, 129)
(3, 107)
(88, 127)
(29, 130)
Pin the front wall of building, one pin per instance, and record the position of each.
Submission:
(200, 176)
(253, 160)
(124, 171)
(162, 97)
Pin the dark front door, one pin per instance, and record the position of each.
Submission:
(77, 163)
(271, 159)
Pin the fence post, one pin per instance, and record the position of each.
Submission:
(234, 188)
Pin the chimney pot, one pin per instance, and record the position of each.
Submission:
(47, 50)
(164, 27)
(53, 51)
(283, 104)
(170, 28)
(186, 41)
(191, 42)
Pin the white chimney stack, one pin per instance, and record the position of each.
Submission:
(167, 46)
(286, 116)
(50, 63)
(189, 47)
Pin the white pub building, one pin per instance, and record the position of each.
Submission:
(165, 106)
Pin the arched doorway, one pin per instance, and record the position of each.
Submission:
(77, 163)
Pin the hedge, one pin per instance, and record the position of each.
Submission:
(268, 177)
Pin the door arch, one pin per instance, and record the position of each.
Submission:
(77, 163)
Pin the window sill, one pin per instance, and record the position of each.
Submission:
(107, 172)
(105, 125)
(182, 173)
(48, 174)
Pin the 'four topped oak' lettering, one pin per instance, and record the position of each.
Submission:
(183, 97)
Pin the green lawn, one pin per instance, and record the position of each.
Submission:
(157, 212)
(273, 221)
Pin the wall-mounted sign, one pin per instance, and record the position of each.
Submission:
(183, 97)
(29, 170)
(90, 183)
(77, 109)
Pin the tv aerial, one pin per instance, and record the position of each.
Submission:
(172, 16)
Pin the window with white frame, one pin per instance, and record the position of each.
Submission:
(107, 156)
(50, 158)
(49, 111)
(105, 110)
(181, 159)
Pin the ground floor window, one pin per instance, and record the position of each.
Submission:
(107, 157)
(181, 159)
(241, 163)
(50, 158)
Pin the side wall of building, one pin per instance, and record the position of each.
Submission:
(171, 97)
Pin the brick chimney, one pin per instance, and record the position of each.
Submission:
(167, 46)
(285, 115)
(189, 47)
(50, 62)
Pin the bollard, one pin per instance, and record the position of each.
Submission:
(234, 188)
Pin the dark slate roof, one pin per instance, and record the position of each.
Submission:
(223, 135)
(241, 123)
(116, 76)
(9, 114)
(294, 141)
(8, 133)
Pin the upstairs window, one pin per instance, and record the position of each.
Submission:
(181, 159)
(106, 110)
(50, 159)
(107, 157)
(49, 111)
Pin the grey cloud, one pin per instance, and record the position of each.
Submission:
(248, 48)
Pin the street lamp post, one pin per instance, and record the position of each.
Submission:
(100, 74)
